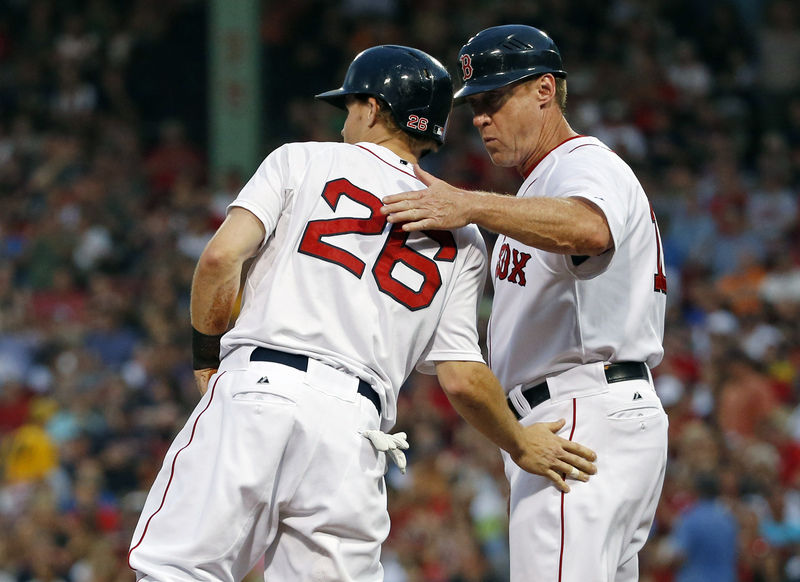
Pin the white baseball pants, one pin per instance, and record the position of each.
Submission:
(595, 531)
(270, 463)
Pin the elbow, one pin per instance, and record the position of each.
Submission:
(597, 240)
(215, 259)
(597, 246)
(590, 234)
(457, 388)
(460, 380)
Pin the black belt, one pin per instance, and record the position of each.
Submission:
(299, 362)
(617, 372)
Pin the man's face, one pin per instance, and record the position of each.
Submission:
(505, 121)
(355, 123)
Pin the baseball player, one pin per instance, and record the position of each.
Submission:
(283, 455)
(578, 310)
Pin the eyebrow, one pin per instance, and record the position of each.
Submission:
(488, 97)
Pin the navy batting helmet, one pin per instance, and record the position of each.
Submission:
(417, 88)
(501, 55)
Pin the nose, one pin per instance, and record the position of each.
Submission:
(480, 119)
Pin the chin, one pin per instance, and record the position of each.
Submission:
(498, 159)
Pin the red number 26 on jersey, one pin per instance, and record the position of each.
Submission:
(395, 250)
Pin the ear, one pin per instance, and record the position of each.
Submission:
(372, 111)
(546, 89)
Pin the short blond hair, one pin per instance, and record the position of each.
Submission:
(561, 94)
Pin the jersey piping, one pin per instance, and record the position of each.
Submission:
(528, 172)
(385, 162)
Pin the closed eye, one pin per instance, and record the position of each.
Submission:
(490, 102)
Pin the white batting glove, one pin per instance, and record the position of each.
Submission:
(391, 444)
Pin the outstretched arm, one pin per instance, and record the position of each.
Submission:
(215, 284)
(477, 396)
(570, 226)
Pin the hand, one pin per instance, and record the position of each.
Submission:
(201, 378)
(440, 206)
(391, 444)
(549, 455)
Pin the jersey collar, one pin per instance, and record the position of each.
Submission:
(388, 156)
(527, 171)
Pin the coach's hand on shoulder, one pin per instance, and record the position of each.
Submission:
(201, 378)
(549, 455)
(439, 207)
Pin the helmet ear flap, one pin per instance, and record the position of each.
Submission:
(501, 55)
(416, 87)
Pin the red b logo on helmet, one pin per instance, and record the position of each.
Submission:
(466, 67)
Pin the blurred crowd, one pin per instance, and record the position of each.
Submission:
(107, 203)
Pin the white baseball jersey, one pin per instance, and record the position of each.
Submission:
(335, 281)
(563, 318)
(550, 313)
(273, 462)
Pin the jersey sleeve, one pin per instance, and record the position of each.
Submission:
(456, 336)
(595, 173)
(266, 192)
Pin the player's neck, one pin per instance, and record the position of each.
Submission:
(397, 146)
(553, 133)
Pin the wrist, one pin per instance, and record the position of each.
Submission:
(470, 201)
(476, 204)
(515, 440)
(205, 350)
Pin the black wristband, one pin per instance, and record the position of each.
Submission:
(205, 350)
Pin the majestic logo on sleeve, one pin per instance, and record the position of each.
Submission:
(466, 67)
(514, 259)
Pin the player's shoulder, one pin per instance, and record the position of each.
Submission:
(586, 153)
(470, 236)
(339, 151)
(582, 146)
(309, 148)
(587, 147)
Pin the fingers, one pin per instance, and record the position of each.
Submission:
(578, 462)
(562, 473)
(570, 472)
(399, 208)
(558, 481)
(423, 176)
(404, 215)
(418, 225)
(571, 446)
(410, 221)
(394, 202)
(579, 450)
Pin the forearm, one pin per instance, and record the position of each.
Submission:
(214, 292)
(215, 286)
(477, 396)
(217, 277)
(559, 225)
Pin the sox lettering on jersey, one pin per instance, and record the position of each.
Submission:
(508, 255)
